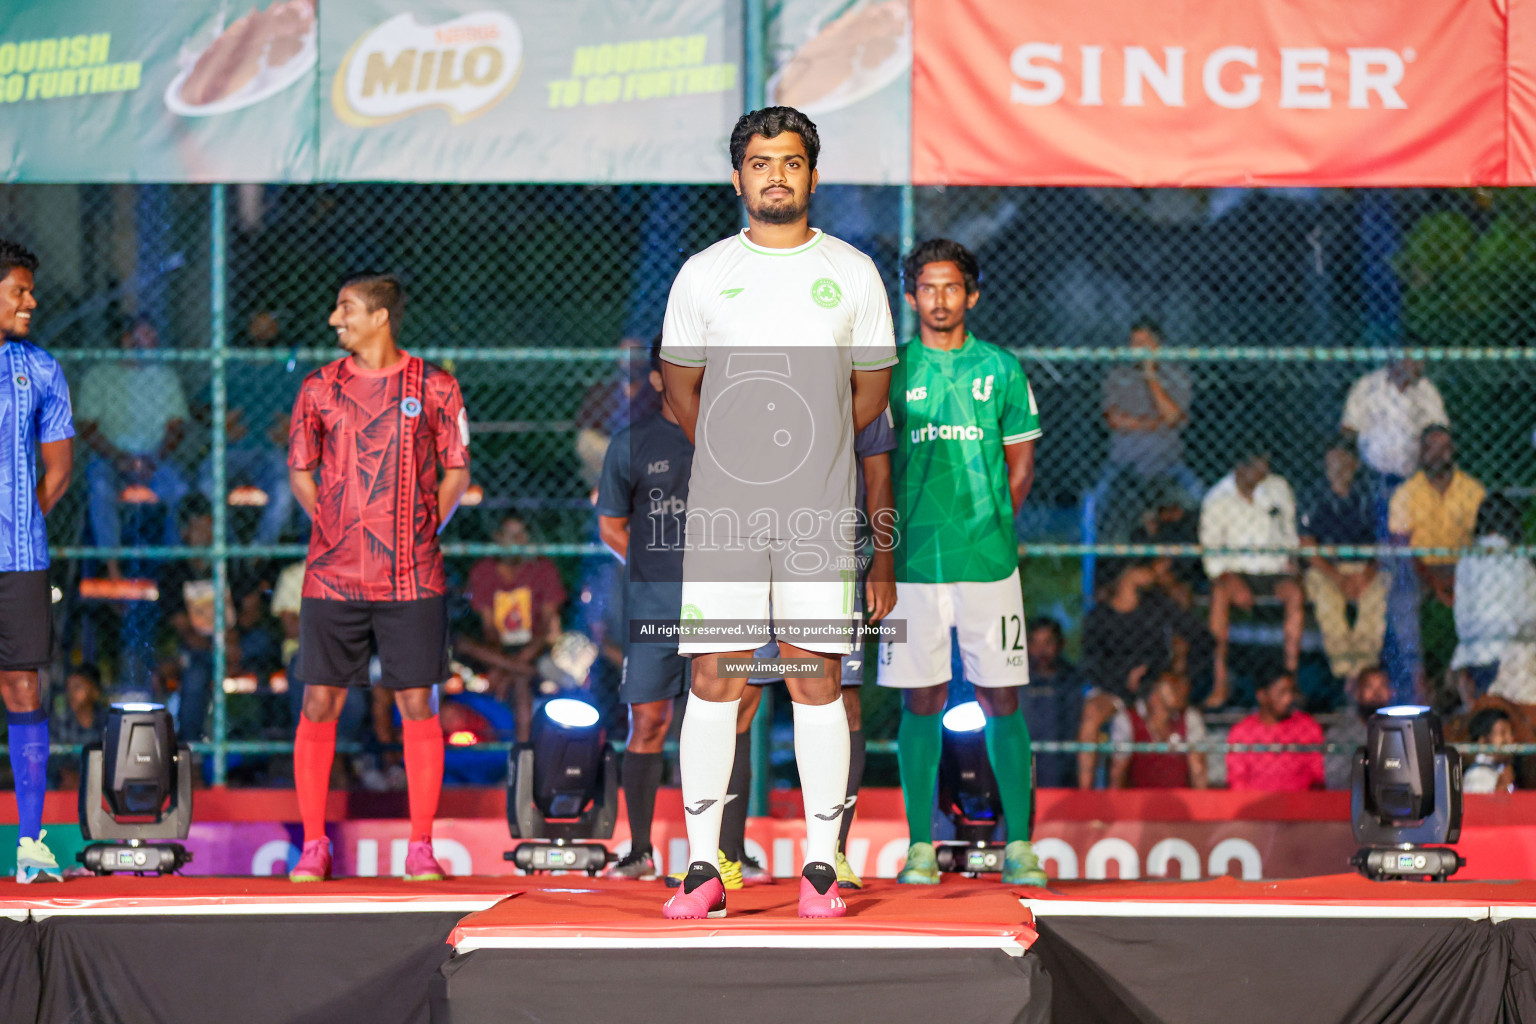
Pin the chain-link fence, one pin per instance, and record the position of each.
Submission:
(1282, 316)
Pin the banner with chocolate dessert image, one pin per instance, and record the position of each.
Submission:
(528, 90)
(93, 90)
(848, 65)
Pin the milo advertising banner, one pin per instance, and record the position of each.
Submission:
(848, 65)
(302, 90)
(528, 90)
(101, 90)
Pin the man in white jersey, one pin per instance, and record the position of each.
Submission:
(776, 350)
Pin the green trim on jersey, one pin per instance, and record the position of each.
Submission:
(763, 250)
(953, 413)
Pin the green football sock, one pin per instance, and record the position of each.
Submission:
(1009, 750)
(919, 739)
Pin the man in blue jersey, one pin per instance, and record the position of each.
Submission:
(641, 498)
(35, 423)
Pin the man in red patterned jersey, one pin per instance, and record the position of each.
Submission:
(377, 425)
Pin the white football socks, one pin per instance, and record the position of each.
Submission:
(821, 754)
(706, 750)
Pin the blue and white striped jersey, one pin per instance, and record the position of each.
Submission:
(34, 409)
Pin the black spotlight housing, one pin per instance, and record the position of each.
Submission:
(1405, 793)
(136, 787)
(968, 794)
(563, 788)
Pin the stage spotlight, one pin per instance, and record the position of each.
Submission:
(1406, 792)
(968, 794)
(136, 787)
(563, 788)
(967, 788)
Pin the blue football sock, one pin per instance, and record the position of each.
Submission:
(28, 741)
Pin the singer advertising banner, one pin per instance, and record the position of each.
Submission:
(1273, 92)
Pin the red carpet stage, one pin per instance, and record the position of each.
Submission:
(600, 952)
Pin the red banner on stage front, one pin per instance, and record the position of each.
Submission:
(1269, 92)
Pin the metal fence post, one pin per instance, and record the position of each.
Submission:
(754, 55)
(218, 341)
(754, 85)
(908, 319)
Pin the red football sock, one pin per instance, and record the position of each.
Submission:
(423, 773)
(314, 748)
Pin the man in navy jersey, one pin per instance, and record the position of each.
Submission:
(377, 424)
(641, 497)
(35, 422)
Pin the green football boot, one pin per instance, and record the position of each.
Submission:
(922, 867)
(1021, 866)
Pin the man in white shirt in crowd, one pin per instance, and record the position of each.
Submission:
(1250, 508)
(1386, 413)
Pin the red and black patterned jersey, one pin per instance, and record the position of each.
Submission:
(378, 437)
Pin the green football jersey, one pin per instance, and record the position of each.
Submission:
(953, 412)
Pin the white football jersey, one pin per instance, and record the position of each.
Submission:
(779, 333)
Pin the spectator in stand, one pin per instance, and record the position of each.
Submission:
(1250, 507)
(1495, 598)
(261, 397)
(1134, 633)
(1146, 406)
(1435, 508)
(286, 595)
(78, 720)
(1490, 773)
(261, 633)
(519, 601)
(1341, 512)
(1385, 415)
(1168, 520)
(613, 405)
(1053, 700)
(131, 414)
(1276, 721)
(1368, 693)
(186, 602)
(1165, 716)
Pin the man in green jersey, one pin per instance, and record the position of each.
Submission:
(966, 424)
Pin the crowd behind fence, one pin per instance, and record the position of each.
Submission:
(185, 317)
